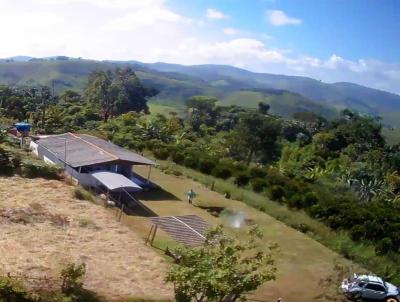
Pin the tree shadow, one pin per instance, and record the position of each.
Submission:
(139, 210)
(158, 194)
(214, 211)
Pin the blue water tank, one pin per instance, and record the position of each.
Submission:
(23, 127)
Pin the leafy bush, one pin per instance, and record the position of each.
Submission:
(72, 276)
(161, 153)
(11, 290)
(309, 199)
(81, 194)
(301, 227)
(277, 192)
(32, 169)
(6, 165)
(258, 184)
(242, 179)
(295, 201)
(222, 171)
(384, 246)
(256, 172)
(206, 165)
(178, 157)
(191, 161)
(357, 232)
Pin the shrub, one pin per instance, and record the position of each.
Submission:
(384, 246)
(296, 201)
(11, 290)
(6, 165)
(301, 227)
(161, 153)
(357, 232)
(191, 161)
(72, 278)
(178, 157)
(32, 169)
(81, 194)
(206, 165)
(239, 167)
(309, 199)
(256, 172)
(242, 179)
(258, 184)
(277, 193)
(222, 171)
(87, 223)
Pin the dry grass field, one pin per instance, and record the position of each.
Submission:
(43, 228)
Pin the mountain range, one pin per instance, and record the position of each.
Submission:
(231, 85)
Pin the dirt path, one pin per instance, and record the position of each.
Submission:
(302, 261)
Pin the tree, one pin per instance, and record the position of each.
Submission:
(223, 269)
(118, 92)
(202, 110)
(263, 107)
(257, 134)
(70, 96)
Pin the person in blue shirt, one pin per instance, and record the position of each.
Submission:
(191, 195)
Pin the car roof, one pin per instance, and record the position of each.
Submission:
(369, 278)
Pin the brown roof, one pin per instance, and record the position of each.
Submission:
(85, 150)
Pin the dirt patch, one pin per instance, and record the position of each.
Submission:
(43, 228)
(30, 215)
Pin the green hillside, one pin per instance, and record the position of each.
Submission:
(282, 103)
(392, 135)
(233, 86)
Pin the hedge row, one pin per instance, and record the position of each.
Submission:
(13, 162)
(337, 208)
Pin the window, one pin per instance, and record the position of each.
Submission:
(361, 284)
(375, 287)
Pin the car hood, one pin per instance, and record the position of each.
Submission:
(392, 289)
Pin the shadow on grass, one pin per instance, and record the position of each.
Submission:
(158, 194)
(214, 211)
(139, 210)
(80, 295)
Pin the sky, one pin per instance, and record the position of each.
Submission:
(330, 40)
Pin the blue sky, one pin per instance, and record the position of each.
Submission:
(330, 40)
(352, 28)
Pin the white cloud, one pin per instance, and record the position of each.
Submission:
(115, 4)
(215, 14)
(150, 31)
(145, 16)
(279, 18)
(231, 31)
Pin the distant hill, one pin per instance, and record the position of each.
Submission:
(230, 84)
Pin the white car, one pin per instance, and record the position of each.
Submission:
(369, 287)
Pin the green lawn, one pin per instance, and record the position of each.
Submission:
(248, 99)
(301, 262)
(167, 110)
(392, 135)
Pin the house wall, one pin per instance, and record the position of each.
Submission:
(83, 178)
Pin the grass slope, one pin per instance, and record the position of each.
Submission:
(283, 103)
(302, 261)
(392, 135)
(33, 243)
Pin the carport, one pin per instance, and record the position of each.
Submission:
(115, 181)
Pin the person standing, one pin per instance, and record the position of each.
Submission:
(190, 196)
